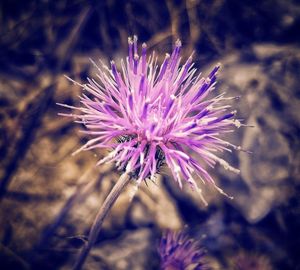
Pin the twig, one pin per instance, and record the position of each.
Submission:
(81, 192)
(29, 131)
(42, 104)
(10, 259)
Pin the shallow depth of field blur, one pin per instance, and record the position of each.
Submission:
(51, 197)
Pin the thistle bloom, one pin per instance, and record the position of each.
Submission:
(179, 252)
(150, 114)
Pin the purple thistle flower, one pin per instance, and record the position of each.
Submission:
(149, 115)
(179, 252)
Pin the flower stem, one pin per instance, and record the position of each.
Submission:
(96, 227)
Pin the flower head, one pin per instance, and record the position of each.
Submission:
(179, 252)
(150, 114)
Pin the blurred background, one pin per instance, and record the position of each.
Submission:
(48, 198)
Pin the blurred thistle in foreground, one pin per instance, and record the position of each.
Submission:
(149, 115)
(179, 252)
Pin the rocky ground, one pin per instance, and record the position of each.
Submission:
(48, 198)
